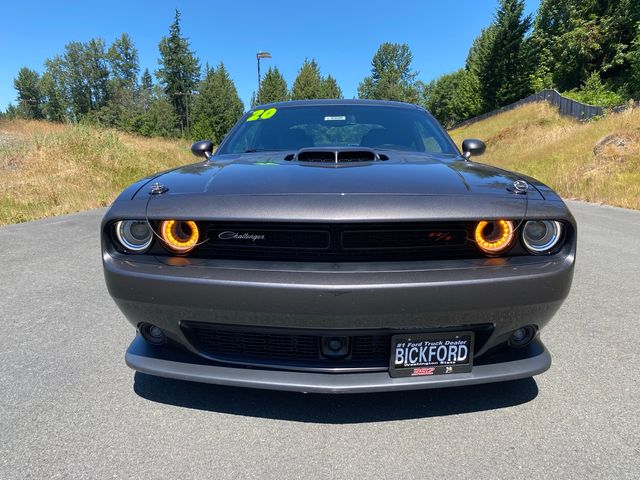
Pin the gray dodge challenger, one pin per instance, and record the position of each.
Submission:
(338, 246)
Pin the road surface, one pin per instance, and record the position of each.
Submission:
(70, 408)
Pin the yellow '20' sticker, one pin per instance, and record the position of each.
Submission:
(262, 114)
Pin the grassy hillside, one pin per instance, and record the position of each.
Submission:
(597, 161)
(50, 169)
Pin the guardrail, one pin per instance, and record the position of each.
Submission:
(567, 106)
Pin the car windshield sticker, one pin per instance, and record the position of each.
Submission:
(340, 118)
(262, 114)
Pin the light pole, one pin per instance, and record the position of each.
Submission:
(260, 55)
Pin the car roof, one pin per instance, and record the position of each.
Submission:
(339, 101)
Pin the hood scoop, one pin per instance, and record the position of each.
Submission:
(336, 155)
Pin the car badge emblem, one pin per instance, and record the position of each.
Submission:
(229, 235)
(520, 186)
(158, 189)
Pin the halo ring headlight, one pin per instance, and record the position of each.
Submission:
(181, 236)
(494, 236)
(541, 236)
(134, 235)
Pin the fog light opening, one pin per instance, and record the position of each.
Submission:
(522, 336)
(152, 334)
(335, 347)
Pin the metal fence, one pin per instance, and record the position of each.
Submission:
(567, 106)
(626, 106)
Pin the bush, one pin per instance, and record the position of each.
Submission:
(594, 92)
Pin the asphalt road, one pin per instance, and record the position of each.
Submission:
(70, 408)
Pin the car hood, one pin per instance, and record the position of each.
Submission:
(402, 174)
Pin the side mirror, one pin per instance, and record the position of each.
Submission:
(203, 148)
(472, 147)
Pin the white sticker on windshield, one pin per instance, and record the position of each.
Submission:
(329, 119)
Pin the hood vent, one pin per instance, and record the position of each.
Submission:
(316, 156)
(333, 155)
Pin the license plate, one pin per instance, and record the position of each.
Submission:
(431, 354)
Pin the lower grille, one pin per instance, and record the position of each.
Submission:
(297, 348)
(223, 343)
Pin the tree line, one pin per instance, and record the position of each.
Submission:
(588, 49)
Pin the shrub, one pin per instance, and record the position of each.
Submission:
(594, 92)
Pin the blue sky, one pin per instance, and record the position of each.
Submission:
(341, 35)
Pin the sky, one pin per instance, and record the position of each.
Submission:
(341, 35)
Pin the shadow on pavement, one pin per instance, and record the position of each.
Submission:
(335, 409)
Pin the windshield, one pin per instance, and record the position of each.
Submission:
(290, 128)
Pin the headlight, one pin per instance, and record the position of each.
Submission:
(180, 235)
(494, 236)
(540, 236)
(134, 235)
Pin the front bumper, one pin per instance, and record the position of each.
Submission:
(506, 293)
(146, 358)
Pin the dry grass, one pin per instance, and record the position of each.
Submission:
(50, 169)
(597, 161)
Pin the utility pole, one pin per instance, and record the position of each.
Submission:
(260, 55)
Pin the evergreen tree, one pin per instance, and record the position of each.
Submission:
(179, 70)
(146, 82)
(145, 93)
(27, 84)
(311, 84)
(11, 112)
(480, 50)
(329, 88)
(216, 107)
(307, 83)
(273, 88)
(391, 75)
(502, 64)
(123, 62)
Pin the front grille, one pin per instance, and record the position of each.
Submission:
(297, 348)
(403, 239)
(337, 242)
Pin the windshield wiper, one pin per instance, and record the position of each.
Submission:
(256, 150)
